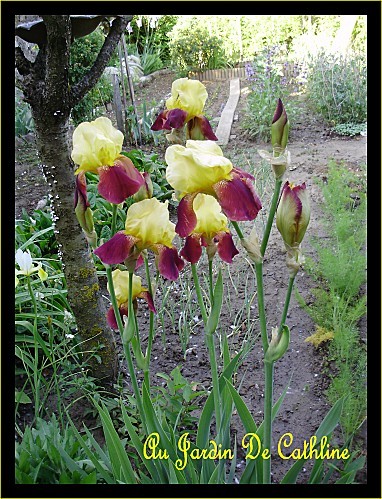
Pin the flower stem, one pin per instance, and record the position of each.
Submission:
(211, 350)
(237, 228)
(271, 216)
(286, 304)
(35, 366)
(210, 274)
(114, 219)
(260, 293)
(126, 346)
(261, 305)
(215, 384)
(199, 293)
(151, 327)
(268, 396)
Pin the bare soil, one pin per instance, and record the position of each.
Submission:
(312, 147)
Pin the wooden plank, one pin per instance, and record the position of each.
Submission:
(223, 130)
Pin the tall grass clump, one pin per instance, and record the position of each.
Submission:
(339, 271)
(47, 347)
(337, 87)
(270, 77)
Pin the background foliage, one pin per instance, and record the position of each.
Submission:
(83, 53)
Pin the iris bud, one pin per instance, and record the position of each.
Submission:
(280, 127)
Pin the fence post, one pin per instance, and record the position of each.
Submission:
(131, 88)
(118, 105)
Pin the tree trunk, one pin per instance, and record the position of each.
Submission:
(84, 293)
(45, 85)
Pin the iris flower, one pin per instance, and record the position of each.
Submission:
(147, 227)
(292, 220)
(27, 268)
(211, 231)
(200, 167)
(185, 106)
(121, 289)
(96, 148)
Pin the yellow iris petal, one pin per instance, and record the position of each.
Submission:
(121, 286)
(196, 167)
(96, 144)
(149, 221)
(189, 95)
(42, 274)
(210, 219)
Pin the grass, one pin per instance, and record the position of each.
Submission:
(340, 302)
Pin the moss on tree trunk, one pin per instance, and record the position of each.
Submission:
(45, 84)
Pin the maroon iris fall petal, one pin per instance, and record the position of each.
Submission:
(117, 249)
(175, 118)
(199, 128)
(169, 263)
(186, 216)
(145, 295)
(238, 198)
(237, 172)
(110, 316)
(80, 193)
(120, 181)
(226, 248)
(161, 122)
(192, 249)
(139, 262)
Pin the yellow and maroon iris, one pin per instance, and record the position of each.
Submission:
(96, 148)
(147, 227)
(201, 167)
(211, 231)
(121, 289)
(185, 107)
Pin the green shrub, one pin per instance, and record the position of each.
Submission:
(337, 87)
(242, 37)
(196, 50)
(83, 53)
(152, 29)
(350, 129)
(340, 272)
(267, 83)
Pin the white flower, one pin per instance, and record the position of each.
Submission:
(24, 261)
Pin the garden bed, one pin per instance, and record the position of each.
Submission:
(312, 147)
